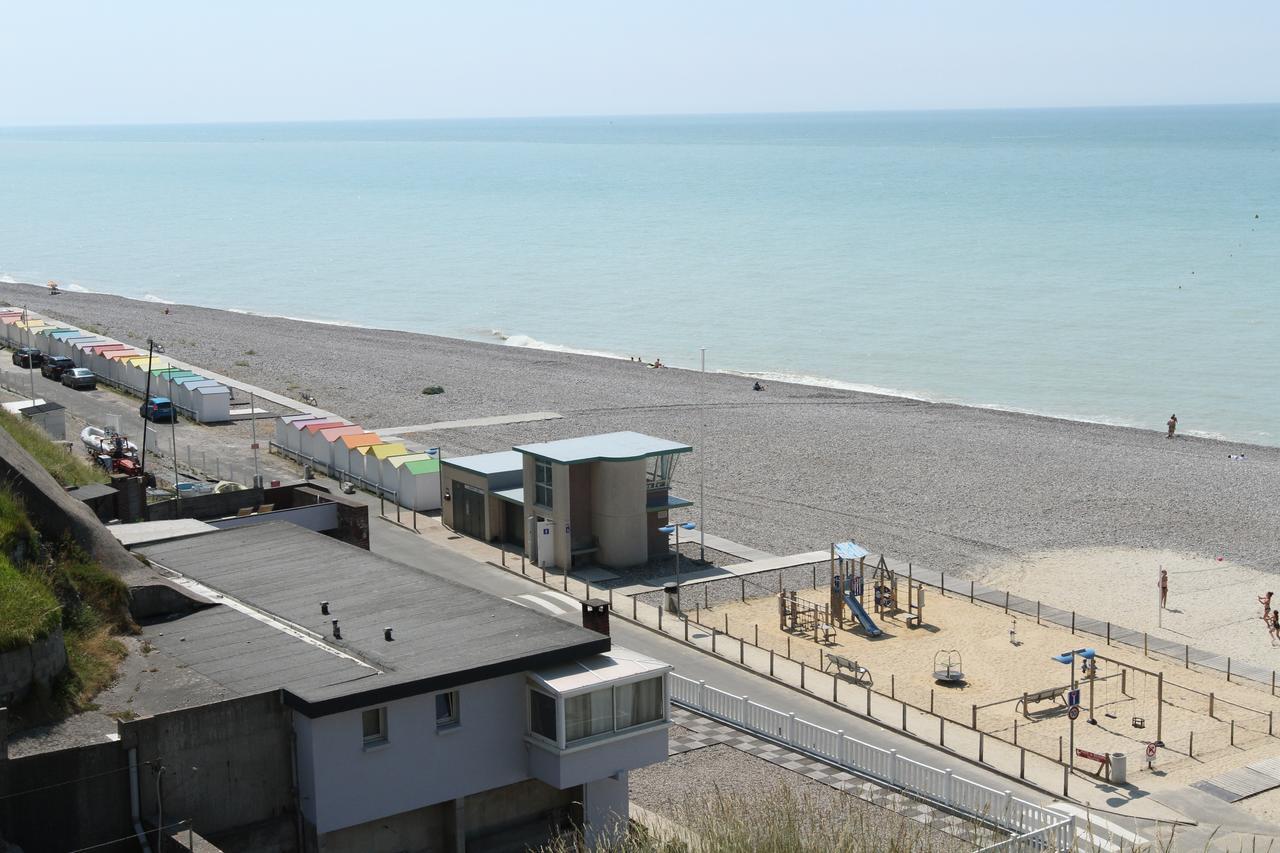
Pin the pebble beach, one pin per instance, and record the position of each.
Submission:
(788, 469)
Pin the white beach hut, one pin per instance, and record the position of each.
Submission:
(211, 403)
(324, 445)
(282, 427)
(415, 477)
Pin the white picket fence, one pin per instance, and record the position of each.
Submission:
(1033, 827)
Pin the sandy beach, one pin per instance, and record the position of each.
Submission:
(788, 469)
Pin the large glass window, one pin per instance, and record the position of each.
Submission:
(612, 709)
(588, 714)
(638, 703)
(542, 492)
(542, 714)
(662, 470)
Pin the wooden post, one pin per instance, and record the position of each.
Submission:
(1015, 732)
(757, 642)
(974, 724)
(1160, 705)
(1073, 623)
(1108, 633)
(904, 716)
(892, 679)
(1228, 670)
(1006, 601)
(971, 592)
(930, 700)
(1144, 644)
(743, 582)
(942, 731)
(713, 640)
(802, 675)
(1037, 612)
(1191, 745)
(981, 744)
(1022, 764)
(942, 583)
(1211, 704)
(771, 663)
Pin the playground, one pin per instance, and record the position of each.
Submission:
(972, 662)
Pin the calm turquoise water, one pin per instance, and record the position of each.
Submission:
(1110, 265)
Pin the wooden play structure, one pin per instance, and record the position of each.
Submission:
(798, 616)
(890, 594)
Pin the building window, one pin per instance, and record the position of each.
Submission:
(374, 726)
(447, 709)
(613, 709)
(542, 715)
(542, 494)
(661, 471)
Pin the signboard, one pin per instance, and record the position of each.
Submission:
(1092, 756)
(1073, 712)
(1151, 750)
(1073, 698)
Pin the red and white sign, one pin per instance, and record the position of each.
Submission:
(1151, 750)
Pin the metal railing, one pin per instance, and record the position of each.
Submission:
(1033, 827)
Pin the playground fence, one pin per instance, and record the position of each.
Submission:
(1036, 827)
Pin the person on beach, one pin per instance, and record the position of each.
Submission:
(757, 387)
(1163, 583)
(1172, 424)
(1273, 626)
(1265, 601)
(657, 362)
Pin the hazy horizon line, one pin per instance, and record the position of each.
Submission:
(572, 116)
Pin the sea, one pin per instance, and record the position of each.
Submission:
(1110, 265)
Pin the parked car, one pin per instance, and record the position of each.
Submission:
(158, 410)
(80, 377)
(55, 365)
(28, 357)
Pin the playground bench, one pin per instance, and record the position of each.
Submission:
(1046, 695)
(861, 675)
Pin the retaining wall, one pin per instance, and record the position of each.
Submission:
(39, 663)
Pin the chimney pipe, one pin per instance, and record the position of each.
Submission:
(337, 632)
(595, 615)
(324, 608)
(386, 633)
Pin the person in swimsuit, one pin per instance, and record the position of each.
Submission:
(1172, 424)
(1163, 583)
(1265, 601)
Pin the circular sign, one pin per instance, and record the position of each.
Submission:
(1151, 750)
(1073, 712)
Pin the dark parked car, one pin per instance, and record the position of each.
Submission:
(80, 377)
(56, 365)
(28, 357)
(158, 410)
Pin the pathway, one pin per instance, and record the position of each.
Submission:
(494, 420)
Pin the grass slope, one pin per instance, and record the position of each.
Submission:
(66, 467)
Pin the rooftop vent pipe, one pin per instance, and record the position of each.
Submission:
(386, 633)
(337, 632)
(324, 608)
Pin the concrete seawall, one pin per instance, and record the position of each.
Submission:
(37, 664)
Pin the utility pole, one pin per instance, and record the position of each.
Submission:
(702, 469)
(173, 436)
(253, 420)
(151, 346)
(26, 321)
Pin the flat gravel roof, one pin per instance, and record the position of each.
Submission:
(445, 634)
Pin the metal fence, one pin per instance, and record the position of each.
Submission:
(1033, 827)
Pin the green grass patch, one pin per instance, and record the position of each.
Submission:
(28, 609)
(67, 468)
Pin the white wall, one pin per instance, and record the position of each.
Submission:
(418, 766)
(605, 809)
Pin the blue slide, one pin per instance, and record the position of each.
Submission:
(860, 613)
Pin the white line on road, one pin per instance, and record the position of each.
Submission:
(530, 597)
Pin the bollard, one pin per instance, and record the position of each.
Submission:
(942, 583)
(802, 675)
(869, 702)
(633, 605)
(1073, 623)
(788, 648)
(981, 744)
(971, 592)
(771, 663)
(415, 518)
(942, 731)
(815, 575)
(1108, 633)
(610, 598)
(1065, 779)
(1144, 643)
(697, 614)
(743, 595)
(544, 574)
(742, 651)
(1006, 601)
(1270, 720)
(705, 593)
(892, 679)
(1037, 613)
(1059, 749)
(1015, 732)
(835, 690)
(1022, 764)
(726, 623)
(660, 609)
(1228, 670)
(686, 631)
(1211, 704)
(904, 716)
(757, 642)
(1186, 661)
(930, 700)
(1191, 744)
(1273, 682)
(503, 551)
(1233, 732)
(713, 641)
(974, 724)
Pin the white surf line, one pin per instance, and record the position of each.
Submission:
(1091, 820)
(495, 420)
(295, 631)
(533, 599)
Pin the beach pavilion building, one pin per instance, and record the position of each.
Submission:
(597, 499)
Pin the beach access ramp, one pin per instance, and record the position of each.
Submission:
(860, 613)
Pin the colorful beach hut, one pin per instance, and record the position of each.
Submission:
(415, 477)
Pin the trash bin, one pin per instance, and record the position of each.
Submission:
(673, 597)
(1119, 768)
(308, 473)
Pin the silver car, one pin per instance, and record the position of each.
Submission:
(79, 377)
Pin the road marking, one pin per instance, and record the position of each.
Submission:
(546, 604)
(572, 602)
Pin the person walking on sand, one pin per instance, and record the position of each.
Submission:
(1273, 626)
(1265, 601)
(1172, 424)
(1163, 583)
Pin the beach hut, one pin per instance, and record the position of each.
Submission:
(321, 443)
(75, 347)
(373, 460)
(415, 478)
(293, 435)
(354, 463)
(110, 361)
(211, 403)
(301, 442)
(282, 425)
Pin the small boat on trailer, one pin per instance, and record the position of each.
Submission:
(99, 441)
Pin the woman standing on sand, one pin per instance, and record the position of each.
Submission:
(1172, 424)
(1265, 601)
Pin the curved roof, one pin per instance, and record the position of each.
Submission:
(609, 447)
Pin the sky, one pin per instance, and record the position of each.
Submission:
(286, 60)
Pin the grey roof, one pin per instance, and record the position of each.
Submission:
(90, 491)
(516, 496)
(609, 447)
(152, 532)
(488, 463)
(445, 634)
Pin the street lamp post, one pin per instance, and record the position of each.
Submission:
(1069, 657)
(702, 467)
(675, 528)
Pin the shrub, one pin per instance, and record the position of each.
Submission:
(433, 389)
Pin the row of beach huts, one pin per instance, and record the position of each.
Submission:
(343, 449)
(196, 396)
